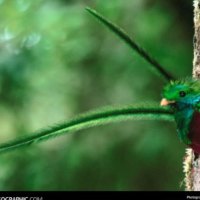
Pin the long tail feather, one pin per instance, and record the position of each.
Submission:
(91, 119)
(127, 39)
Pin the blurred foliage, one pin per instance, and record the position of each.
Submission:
(57, 61)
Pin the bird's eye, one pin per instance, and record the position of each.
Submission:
(182, 93)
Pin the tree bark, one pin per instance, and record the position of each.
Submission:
(191, 165)
(196, 61)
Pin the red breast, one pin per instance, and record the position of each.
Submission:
(194, 132)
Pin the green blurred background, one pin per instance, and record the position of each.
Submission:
(57, 61)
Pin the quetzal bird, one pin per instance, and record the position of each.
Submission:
(184, 98)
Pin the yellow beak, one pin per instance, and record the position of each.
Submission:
(165, 102)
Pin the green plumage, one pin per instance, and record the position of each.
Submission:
(95, 118)
(184, 98)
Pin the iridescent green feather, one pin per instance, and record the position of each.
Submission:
(92, 119)
(184, 105)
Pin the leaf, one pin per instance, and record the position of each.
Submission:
(128, 40)
(91, 119)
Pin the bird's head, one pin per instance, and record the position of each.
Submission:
(185, 91)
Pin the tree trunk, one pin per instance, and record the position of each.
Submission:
(191, 165)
